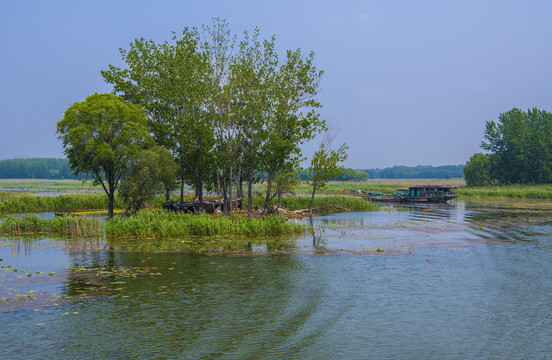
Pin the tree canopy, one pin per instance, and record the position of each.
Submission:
(477, 170)
(226, 110)
(325, 163)
(520, 147)
(100, 136)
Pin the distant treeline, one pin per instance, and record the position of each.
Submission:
(417, 172)
(346, 175)
(35, 168)
(58, 168)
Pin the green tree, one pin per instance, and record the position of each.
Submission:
(325, 163)
(170, 80)
(151, 172)
(286, 183)
(477, 171)
(294, 118)
(521, 145)
(101, 136)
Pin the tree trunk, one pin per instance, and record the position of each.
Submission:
(200, 179)
(268, 190)
(279, 199)
(218, 181)
(312, 197)
(239, 185)
(111, 197)
(249, 192)
(182, 187)
(167, 194)
(224, 192)
(230, 189)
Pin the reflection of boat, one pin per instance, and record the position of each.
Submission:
(416, 193)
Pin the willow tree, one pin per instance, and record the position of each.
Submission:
(100, 136)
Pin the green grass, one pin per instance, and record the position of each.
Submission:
(166, 224)
(542, 191)
(44, 184)
(70, 226)
(151, 224)
(24, 202)
(328, 204)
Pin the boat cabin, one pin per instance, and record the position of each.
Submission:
(430, 190)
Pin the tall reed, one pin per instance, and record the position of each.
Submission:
(166, 224)
(70, 226)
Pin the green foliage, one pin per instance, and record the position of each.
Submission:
(100, 136)
(520, 144)
(224, 115)
(325, 163)
(328, 204)
(167, 224)
(70, 226)
(511, 191)
(153, 171)
(477, 170)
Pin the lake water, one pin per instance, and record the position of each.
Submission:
(465, 281)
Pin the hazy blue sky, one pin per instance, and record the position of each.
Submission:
(408, 82)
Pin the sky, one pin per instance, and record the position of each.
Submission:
(406, 82)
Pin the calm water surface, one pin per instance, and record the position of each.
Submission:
(465, 281)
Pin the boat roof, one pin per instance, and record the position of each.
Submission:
(432, 187)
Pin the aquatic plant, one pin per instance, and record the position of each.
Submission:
(70, 226)
(166, 224)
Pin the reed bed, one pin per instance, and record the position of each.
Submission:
(70, 226)
(166, 224)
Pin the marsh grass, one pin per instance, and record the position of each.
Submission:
(69, 226)
(167, 224)
(542, 191)
(328, 204)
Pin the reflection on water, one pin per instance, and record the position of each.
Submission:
(468, 281)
